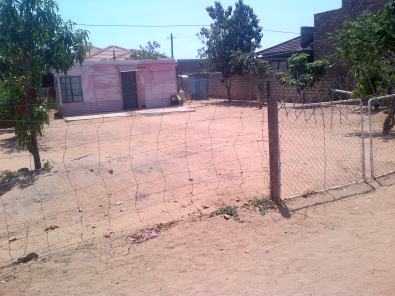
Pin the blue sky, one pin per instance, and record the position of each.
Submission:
(284, 15)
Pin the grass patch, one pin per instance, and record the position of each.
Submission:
(261, 205)
(228, 212)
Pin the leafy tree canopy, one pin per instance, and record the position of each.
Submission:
(148, 52)
(233, 31)
(34, 40)
(302, 72)
(367, 47)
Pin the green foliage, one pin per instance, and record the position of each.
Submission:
(302, 72)
(227, 211)
(148, 52)
(249, 63)
(367, 47)
(232, 30)
(261, 205)
(34, 40)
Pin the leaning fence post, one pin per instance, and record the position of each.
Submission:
(274, 147)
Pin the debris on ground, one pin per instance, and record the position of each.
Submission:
(51, 228)
(227, 212)
(12, 239)
(150, 233)
(26, 259)
(260, 205)
(144, 235)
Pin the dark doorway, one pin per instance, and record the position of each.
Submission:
(129, 90)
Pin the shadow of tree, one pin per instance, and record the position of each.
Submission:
(22, 178)
(9, 145)
(234, 103)
(375, 135)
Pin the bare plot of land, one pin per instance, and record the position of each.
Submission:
(339, 248)
(114, 176)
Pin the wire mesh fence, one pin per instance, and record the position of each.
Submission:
(381, 142)
(114, 181)
(113, 175)
(322, 146)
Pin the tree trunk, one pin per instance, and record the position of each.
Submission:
(228, 85)
(260, 90)
(33, 149)
(31, 100)
(389, 122)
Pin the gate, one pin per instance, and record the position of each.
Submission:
(381, 143)
(199, 88)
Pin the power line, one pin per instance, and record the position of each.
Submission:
(168, 26)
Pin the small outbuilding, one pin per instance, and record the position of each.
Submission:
(110, 81)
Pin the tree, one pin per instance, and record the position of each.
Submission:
(148, 52)
(367, 47)
(234, 30)
(34, 40)
(251, 64)
(303, 73)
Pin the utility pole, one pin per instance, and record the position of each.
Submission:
(172, 45)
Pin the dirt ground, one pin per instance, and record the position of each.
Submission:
(112, 177)
(336, 248)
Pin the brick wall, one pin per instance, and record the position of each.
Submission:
(329, 22)
(243, 87)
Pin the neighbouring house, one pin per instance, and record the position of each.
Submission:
(110, 81)
(318, 42)
(278, 55)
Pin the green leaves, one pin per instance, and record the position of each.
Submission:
(34, 41)
(234, 30)
(367, 46)
(149, 51)
(302, 73)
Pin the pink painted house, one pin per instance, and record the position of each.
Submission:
(109, 81)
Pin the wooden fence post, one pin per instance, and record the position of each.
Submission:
(274, 147)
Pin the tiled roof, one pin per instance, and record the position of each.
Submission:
(290, 46)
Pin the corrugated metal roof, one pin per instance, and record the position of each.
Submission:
(109, 53)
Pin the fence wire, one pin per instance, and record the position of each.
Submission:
(119, 175)
(381, 144)
(322, 145)
(113, 177)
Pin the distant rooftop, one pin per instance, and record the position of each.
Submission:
(109, 53)
(286, 48)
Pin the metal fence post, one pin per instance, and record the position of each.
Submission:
(372, 173)
(363, 150)
(274, 146)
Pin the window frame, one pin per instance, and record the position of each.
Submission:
(71, 89)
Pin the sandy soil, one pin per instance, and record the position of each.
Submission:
(115, 176)
(337, 248)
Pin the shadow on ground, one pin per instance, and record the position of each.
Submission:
(22, 178)
(234, 103)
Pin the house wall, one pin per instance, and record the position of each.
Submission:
(159, 83)
(102, 88)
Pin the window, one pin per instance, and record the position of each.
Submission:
(71, 89)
